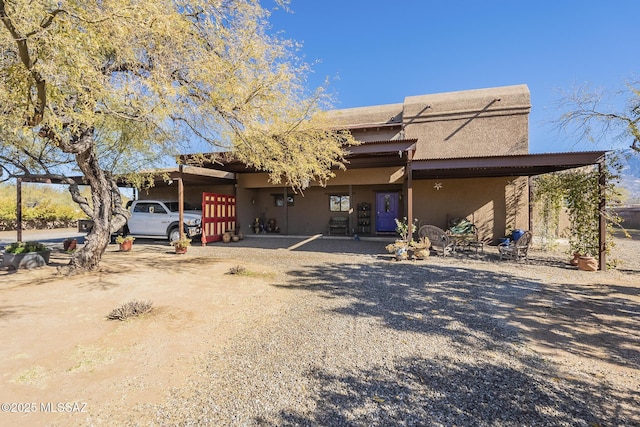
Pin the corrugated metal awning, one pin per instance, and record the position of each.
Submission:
(509, 165)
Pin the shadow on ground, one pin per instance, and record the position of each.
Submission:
(477, 309)
(442, 391)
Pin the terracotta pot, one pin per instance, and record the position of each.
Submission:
(181, 249)
(69, 244)
(587, 263)
(126, 246)
(574, 260)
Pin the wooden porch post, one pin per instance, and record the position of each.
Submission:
(353, 220)
(602, 223)
(286, 210)
(410, 194)
(181, 203)
(530, 185)
(19, 209)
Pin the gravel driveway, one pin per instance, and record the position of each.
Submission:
(365, 341)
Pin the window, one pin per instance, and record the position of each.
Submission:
(279, 200)
(156, 208)
(339, 203)
(174, 206)
(149, 208)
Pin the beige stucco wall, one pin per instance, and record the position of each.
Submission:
(359, 116)
(377, 134)
(388, 175)
(470, 136)
(483, 122)
(630, 216)
(192, 193)
(495, 205)
(480, 122)
(310, 213)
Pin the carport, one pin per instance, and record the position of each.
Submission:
(182, 175)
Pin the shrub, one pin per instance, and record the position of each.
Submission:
(131, 309)
(237, 270)
(25, 247)
(121, 239)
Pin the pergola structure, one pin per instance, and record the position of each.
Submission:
(190, 175)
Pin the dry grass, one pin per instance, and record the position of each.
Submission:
(131, 309)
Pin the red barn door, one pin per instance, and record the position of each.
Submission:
(218, 216)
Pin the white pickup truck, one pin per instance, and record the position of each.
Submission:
(159, 218)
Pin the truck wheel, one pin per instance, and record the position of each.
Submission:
(174, 234)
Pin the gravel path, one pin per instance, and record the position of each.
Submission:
(363, 341)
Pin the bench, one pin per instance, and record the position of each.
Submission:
(464, 234)
(337, 223)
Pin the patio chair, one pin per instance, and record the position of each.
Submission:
(517, 250)
(440, 241)
(464, 234)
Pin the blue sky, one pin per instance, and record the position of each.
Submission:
(378, 52)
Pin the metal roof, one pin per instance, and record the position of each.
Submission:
(394, 153)
(505, 165)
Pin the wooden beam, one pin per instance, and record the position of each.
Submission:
(602, 223)
(410, 194)
(181, 204)
(19, 209)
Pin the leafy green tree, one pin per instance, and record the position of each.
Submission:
(578, 190)
(106, 88)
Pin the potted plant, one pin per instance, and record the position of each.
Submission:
(399, 249)
(181, 245)
(420, 248)
(26, 255)
(69, 244)
(587, 263)
(404, 229)
(125, 242)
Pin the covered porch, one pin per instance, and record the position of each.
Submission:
(479, 186)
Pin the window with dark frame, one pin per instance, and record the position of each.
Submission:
(279, 200)
(339, 203)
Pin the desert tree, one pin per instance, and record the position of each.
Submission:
(590, 114)
(104, 89)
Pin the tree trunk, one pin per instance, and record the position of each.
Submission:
(105, 203)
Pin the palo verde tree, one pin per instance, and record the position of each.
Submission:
(104, 88)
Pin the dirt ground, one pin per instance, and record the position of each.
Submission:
(58, 347)
(63, 363)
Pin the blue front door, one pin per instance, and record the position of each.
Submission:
(386, 211)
